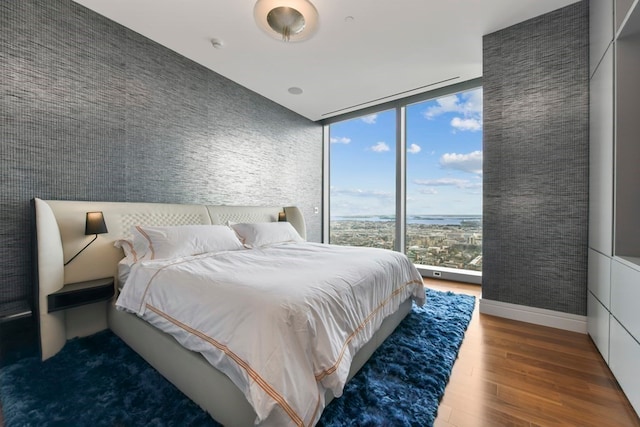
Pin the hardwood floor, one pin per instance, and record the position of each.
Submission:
(511, 373)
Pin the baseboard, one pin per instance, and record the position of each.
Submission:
(452, 274)
(538, 316)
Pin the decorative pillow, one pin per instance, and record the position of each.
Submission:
(259, 234)
(182, 240)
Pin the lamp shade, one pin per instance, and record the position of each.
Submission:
(95, 223)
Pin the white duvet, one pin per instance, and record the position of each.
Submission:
(282, 322)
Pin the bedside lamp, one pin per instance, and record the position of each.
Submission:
(94, 225)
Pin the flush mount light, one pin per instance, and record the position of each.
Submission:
(287, 20)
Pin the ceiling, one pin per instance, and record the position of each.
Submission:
(387, 49)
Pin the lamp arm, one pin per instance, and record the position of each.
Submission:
(74, 257)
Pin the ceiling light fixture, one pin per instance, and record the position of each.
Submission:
(287, 20)
(217, 43)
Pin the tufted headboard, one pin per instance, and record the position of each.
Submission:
(59, 230)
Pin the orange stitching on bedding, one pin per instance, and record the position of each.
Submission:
(263, 384)
(244, 365)
(321, 375)
(133, 250)
(146, 289)
(146, 236)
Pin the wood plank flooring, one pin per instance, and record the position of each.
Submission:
(511, 373)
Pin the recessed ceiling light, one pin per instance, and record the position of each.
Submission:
(349, 18)
(217, 43)
(295, 90)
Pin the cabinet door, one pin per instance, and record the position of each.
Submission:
(625, 296)
(627, 148)
(601, 157)
(623, 360)
(598, 325)
(599, 277)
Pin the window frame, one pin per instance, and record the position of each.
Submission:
(401, 171)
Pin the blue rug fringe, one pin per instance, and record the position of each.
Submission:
(100, 381)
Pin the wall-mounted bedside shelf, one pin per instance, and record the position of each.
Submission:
(81, 293)
(14, 310)
(18, 333)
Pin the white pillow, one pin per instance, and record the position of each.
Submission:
(130, 253)
(124, 267)
(259, 234)
(182, 240)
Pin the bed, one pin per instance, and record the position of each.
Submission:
(220, 390)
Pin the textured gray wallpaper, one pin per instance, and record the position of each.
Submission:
(536, 124)
(93, 111)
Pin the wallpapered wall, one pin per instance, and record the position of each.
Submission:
(536, 159)
(93, 111)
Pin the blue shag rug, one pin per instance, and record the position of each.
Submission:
(100, 381)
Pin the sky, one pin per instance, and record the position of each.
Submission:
(444, 159)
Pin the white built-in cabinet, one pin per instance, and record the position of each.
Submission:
(613, 297)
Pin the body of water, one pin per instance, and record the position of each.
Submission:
(416, 219)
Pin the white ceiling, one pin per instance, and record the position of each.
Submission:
(391, 48)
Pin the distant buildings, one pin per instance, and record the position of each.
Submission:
(454, 246)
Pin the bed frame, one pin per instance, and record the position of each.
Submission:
(59, 231)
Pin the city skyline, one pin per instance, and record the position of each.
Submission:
(442, 245)
(444, 160)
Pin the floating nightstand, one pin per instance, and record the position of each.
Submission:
(81, 293)
(14, 311)
(18, 333)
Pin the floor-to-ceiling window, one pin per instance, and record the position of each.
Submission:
(441, 170)
(444, 181)
(362, 180)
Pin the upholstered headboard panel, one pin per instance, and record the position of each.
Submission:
(60, 234)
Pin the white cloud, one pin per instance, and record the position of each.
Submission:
(468, 105)
(444, 182)
(429, 191)
(474, 185)
(414, 149)
(471, 162)
(380, 147)
(377, 194)
(370, 119)
(473, 101)
(470, 124)
(341, 140)
(446, 104)
(350, 201)
(429, 186)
